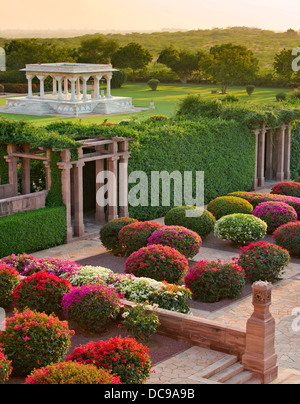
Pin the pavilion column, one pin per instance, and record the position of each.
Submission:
(261, 156)
(85, 80)
(255, 182)
(78, 199)
(12, 167)
(54, 86)
(108, 86)
(48, 169)
(66, 166)
(287, 153)
(29, 78)
(25, 170)
(78, 87)
(123, 179)
(112, 164)
(73, 88)
(280, 154)
(42, 87)
(59, 80)
(97, 86)
(66, 84)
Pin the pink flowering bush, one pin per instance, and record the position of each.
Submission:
(91, 306)
(32, 340)
(186, 241)
(158, 262)
(263, 261)
(109, 233)
(71, 373)
(135, 236)
(289, 188)
(5, 367)
(288, 237)
(212, 281)
(275, 214)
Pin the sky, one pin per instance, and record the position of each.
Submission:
(145, 15)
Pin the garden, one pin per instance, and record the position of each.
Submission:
(70, 322)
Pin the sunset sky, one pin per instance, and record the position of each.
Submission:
(152, 15)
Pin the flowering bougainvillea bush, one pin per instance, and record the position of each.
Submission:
(275, 214)
(201, 221)
(289, 188)
(288, 237)
(9, 280)
(71, 373)
(32, 340)
(139, 289)
(227, 205)
(109, 233)
(135, 236)
(158, 262)
(186, 241)
(212, 281)
(5, 367)
(263, 261)
(42, 292)
(125, 357)
(27, 265)
(240, 228)
(256, 198)
(90, 274)
(91, 306)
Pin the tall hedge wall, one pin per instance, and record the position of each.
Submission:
(295, 151)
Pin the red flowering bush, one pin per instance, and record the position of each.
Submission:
(227, 205)
(289, 188)
(135, 236)
(109, 233)
(186, 241)
(42, 292)
(158, 262)
(9, 279)
(288, 237)
(5, 368)
(196, 219)
(71, 373)
(124, 357)
(263, 261)
(91, 306)
(275, 214)
(212, 281)
(33, 340)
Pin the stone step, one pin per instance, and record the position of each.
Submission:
(228, 373)
(240, 378)
(216, 367)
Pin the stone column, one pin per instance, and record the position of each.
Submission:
(48, 169)
(78, 88)
(12, 167)
(42, 89)
(59, 80)
(100, 216)
(97, 87)
(261, 156)
(25, 171)
(29, 78)
(85, 80)
(66, 166)
(73, 88)
(112, 164)
(260, 357)
(78, 199)
(269, 154)
(54, 86)
(287, 153)
(66, 84)
(280, 154)
(108, 86)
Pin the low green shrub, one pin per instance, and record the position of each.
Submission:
(153, 84)
(212, 281)
(109, 233)
(227, 205)
(240, 228)
(9, 280)
(202, 223)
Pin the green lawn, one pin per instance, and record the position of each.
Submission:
(165, 99)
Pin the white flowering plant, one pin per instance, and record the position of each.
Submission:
(90, 274)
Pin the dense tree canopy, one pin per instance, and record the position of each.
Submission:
(283, 66)
(97, 50)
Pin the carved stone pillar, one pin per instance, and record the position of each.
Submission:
(29, 78)
(260, 357)
(287, 153)
(48, 169)
(78, 199)
(42, 88)
(112, 166)
(280, 154)
(269, 154)
(66, 166)
(12, 167)
(25, 171)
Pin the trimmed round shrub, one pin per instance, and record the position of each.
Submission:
(263, 261)
(158, 262)
(125, 357)
(71, 373)
(197, 219)
(5, 367)
(288, 237)
(135, 236)
(41, 292)
(9, 280)
(186, 241)
(240, 228)
(153, 84)
(289, 188)
(275, 214)
(109, 233)
(228, 205)
(212, 281)
(25, 264)
(91, 306)
(33, 340)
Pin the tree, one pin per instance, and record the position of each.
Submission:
(97, 50)
(283, 67)
(20, 52)
(132, 56)
(229, 63)
(182, 62)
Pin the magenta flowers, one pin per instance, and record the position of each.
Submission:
(275, 214)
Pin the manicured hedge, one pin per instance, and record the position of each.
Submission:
(32, 231)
